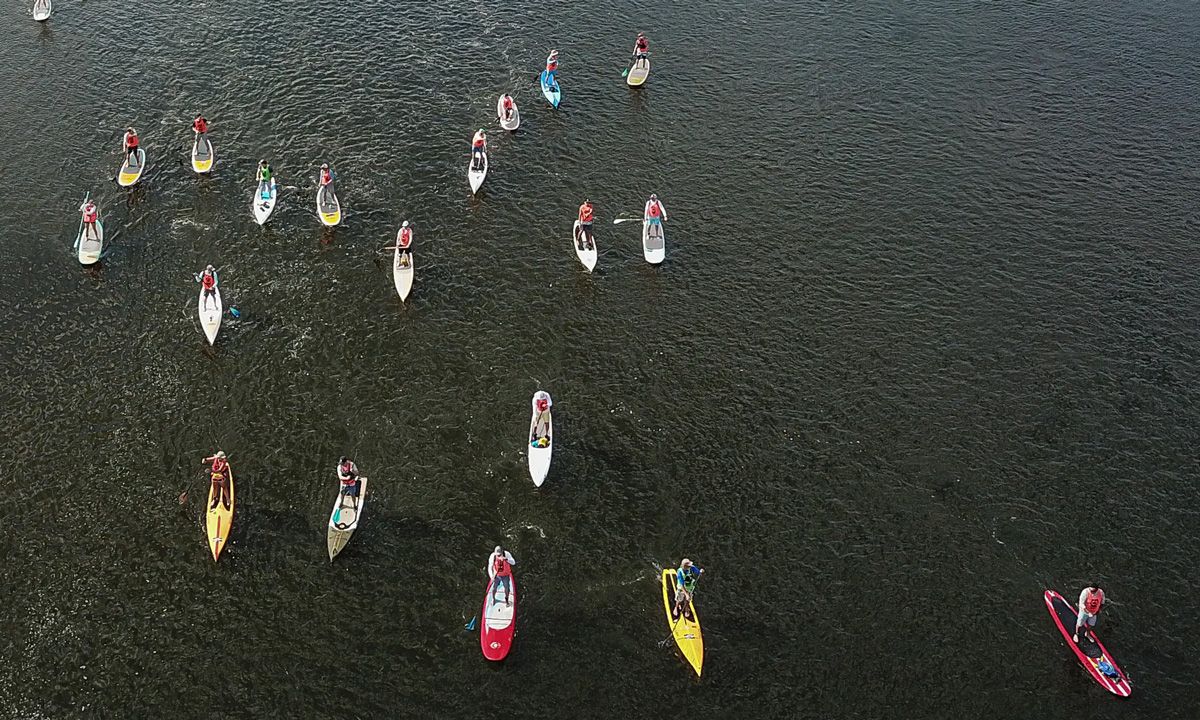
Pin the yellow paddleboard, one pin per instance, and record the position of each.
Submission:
(131, 173)
(329, 208)
(220, 518)
(202, 154)
(686, 632)
(638, 73)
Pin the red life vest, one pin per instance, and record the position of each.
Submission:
(1094, 600)
(131, 141)
(585, 213)
(208, 282)
(552, 65)
(326, 176)
(542, 405)
(479, 141)
(201, 125)
(507, 102)
(654, 211)
(405, 237)
(89, 214)
(501, 566)
(641, 46)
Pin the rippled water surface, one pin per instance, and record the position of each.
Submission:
(924, 345)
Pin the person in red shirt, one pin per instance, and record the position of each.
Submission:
(200, 125)
(404, 240)
(90, 215)
(507, 104)
(208, 281)
(478, 148)
(586, 218)
(641, 48)
(501, 575)
(220, 479)
(131, 146)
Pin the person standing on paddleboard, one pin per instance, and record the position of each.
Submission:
(200, 124)
(542, 420)
(1091, 600)
(326, 174)
(478, 148)
(264, 171)
(586, 216)
(655, 213)
(552, 67)
(131, 145)
(507, 103)
(90, 215)
(208, 281)
(347, 472)
(502, 572)
(404, 240)
(641, 48)
(220, 479)
(685, 584)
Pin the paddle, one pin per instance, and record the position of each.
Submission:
(79, 235)
(471, 625)
(618, 221)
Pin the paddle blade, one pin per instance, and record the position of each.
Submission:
(625, 72)
(471, 625)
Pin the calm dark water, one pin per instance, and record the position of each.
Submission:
(924, 345)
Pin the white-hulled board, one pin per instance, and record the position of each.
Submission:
(91, 247)
(539, 457)
(585, 250)
(210, 311)
(476, 177)
(516, 118)
(264, 201)
(343, 521)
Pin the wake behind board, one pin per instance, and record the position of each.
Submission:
(1089, 651)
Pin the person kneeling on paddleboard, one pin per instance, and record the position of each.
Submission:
(1090, 602)
(641, 47)
(131, 146)
(200, 124)
(90, 214)
(507, 104)
(656, 213)
(551, 67)
(685, 584)
(502, 571)
(219, 474)
(404, 240)
(478, 147)
(347, 472)
(586, 217)
(208, 281)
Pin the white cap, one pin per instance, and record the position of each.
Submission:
(686, 563)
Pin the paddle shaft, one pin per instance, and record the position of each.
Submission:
(79, 235)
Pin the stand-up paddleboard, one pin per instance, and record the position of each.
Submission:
(476, 177)
(90, 245)
(131, 172)
(328, 206)
(219, 518)
(639, 72)
(402, 270)
(42, 10)
(585, 247)
(202, 154)
(264, 201)
(512, 124)
(496, 630)
(344, 519)
(1089, 650)
(654, 238)
(541, 439)
(210, 310)
(552, 91)
(687, 629)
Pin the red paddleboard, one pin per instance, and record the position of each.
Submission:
(496, 630)
(1089, 650)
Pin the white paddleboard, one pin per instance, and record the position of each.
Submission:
(343, 521)
(584, 250)
(328, 205)
(402, 275)
(42, 10)
(539, 457)
(210, 311)
(132, 172)
(475, 177)
(516, 115)
(91, 247)
(638, 73)
(264, 201)
(202, 154)
(654, 244)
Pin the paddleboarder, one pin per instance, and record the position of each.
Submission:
(551, 67)
(131, 145)
(541, 422)
(404, 240)
(586, 217)
(347, 472)
(478, 148)
(264, 171)
(200, 124)
(208, 281)
(220, 479)
(1091, 600)
(641, 48)
(507, 103)
(502, 574)
(685, 584)
(90, 215)
(656, 214)
(326, 174)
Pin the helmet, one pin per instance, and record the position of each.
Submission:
(404, 224)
